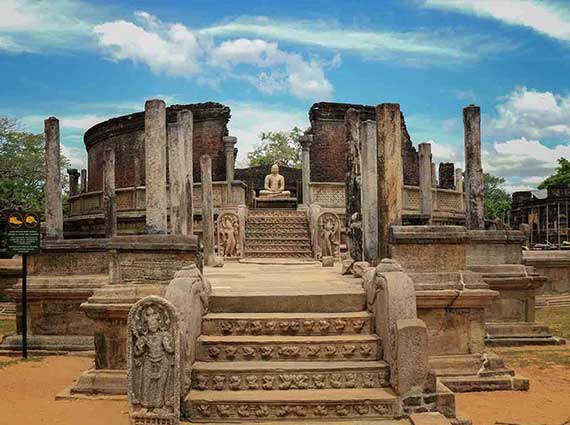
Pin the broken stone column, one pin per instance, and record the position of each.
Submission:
(109, 194)
(73, 181)
(186, 128)
(83, 181)
(229, 146)
(369, 191)
(390, 172)
(433, 177)
(353, 184)
(426, 198)
(52, 191)
(306, 141)
(474, 184)
(447, 175)
(177, 178)
(155, 166)
(207, 210)
(459, 180)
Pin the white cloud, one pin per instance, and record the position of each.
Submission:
(82, 122)
(443, 152)
(176, 50)
(250, 119)
(532, 114)
(542, 16)
(403, 46)
(534, 180)
(77, 157)
(33, 26)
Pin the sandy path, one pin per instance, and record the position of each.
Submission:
(27, 391)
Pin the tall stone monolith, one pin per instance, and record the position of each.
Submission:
(207, 210)
(474, 184)
(177, 180)
(353, 184)
(369, 191)
(186, 129)
(306, 140)
(390, 172)
(83, 181)
(155, 166)
(109, 192)
(52, 191)
(426, 198)
(229, 146)
(73, 181)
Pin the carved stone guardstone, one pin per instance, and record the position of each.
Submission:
(329, 235)
(230, 243)
(153, 362)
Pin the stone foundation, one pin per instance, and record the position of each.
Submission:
(555, 265)
(60, 278)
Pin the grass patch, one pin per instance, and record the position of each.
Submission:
(7, 326)
(557, 319)
(542, 359)
(7, 363)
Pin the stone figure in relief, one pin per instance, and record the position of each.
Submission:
(329, 235)
(229, 235)
(153, 353)
(274, 185)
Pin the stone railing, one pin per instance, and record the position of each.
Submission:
(133, 198)
(328, 194)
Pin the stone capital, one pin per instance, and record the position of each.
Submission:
(306, 140)
(229, 142)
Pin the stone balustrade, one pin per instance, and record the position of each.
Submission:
(133, 198)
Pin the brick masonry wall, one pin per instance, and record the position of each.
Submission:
(447, 175)
(126, 135)
(328, 150)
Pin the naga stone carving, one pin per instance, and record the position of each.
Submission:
(153, 349)
(229, 235)
(329, 235)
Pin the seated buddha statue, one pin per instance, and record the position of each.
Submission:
(274, 185)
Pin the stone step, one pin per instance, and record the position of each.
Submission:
(259, 375)
(275, 212)
(343, 301)
(476, 384)
(297, 253)
(403, 421)
(255, 245)
(266, 237)
(278, 233)
(314, 405)
(276, 229)
(287, 323)
(286, 348)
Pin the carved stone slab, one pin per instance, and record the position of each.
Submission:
(329, 235)
(153, 361)
(230, 244)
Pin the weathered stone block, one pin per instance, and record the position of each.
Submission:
(409, 372)
(327, 261)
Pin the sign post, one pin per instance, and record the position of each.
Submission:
(23, 239)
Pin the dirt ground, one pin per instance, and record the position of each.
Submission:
(28, 389)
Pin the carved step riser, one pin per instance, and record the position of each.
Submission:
(255, 220)
(258, 254)
(208, 351)
(206, 411)
(255, 246)
(275, 213)
(275, 380)
(331, 326)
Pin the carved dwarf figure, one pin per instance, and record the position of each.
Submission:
(274, 184)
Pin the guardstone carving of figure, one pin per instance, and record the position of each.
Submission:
(228, 235)
(329, 225)
(153, 361)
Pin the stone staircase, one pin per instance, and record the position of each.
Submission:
(290, 366)
(277, 233)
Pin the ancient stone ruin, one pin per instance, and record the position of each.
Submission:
(364, 286)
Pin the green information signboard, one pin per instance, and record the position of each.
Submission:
(23, 233)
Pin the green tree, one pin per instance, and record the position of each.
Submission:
(560, 178)
(497, 199)
(22, 167)
(277, 147)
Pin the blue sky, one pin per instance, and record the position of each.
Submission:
(86, 61)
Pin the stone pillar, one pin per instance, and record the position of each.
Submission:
(306, 141)
(177, 179)
(155, 166)
(52, 191)
(474, 184)
(109, 194)
(459, 180)
(390, 172)
(353, 184)
(369, 191)
(186, 128)
(229, 145)
(207, 210)
(433, 177)
(73, 181)
(426, 199)
(83, 181)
